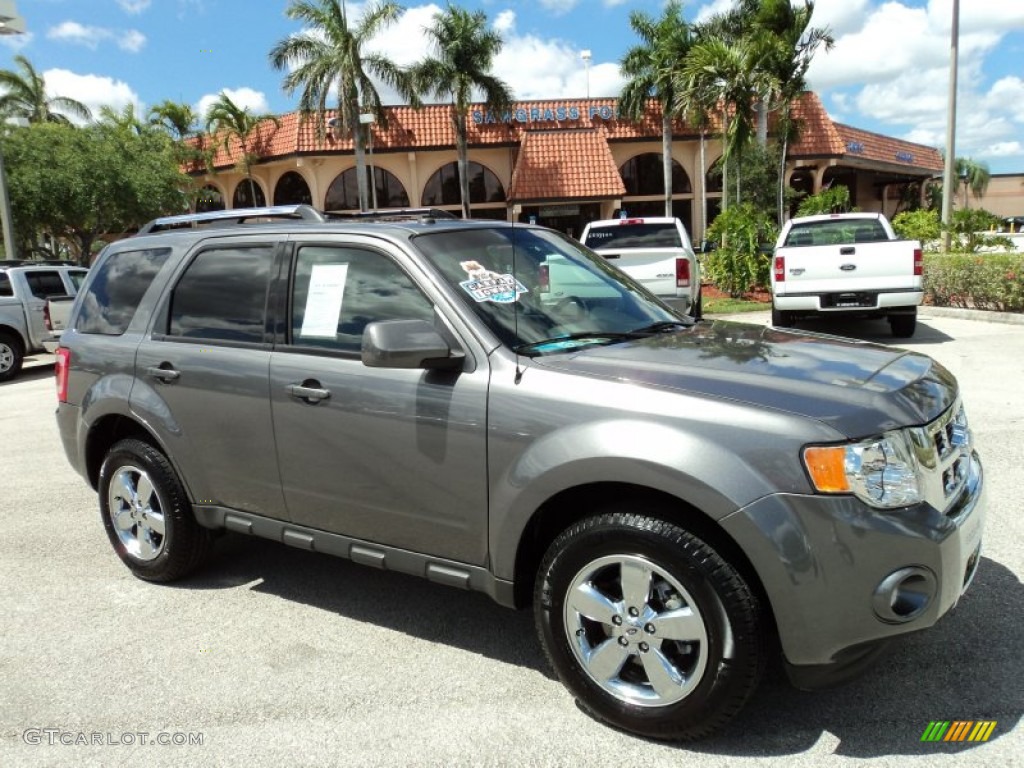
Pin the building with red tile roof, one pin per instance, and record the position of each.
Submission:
(559, 162)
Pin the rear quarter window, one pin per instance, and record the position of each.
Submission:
(113, 295)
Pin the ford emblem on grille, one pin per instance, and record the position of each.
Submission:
(848, 267)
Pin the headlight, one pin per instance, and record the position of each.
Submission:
(883, 473)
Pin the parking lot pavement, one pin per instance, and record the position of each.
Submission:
(277, 657)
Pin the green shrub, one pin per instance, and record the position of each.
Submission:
(739, 263)
(835, 199)
(977, 281)
(923, 225)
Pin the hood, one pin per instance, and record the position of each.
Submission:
(857, 388)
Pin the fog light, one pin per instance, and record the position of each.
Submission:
(904, 595)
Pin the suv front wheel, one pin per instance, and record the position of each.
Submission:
(648, 626)
(147, 515)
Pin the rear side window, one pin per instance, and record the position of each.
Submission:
(646, 235)
(6, 289)
(45, 283)
(112, 297)
(223, 295)
(77, 277)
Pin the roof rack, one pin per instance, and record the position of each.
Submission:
(384, 214)
(233, 216)
(37, 263)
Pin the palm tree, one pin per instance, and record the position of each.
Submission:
(179, 120)
(330, 53)
(973, 175)
(464, 50)
(126, 120)
(229, 121)
(25, 97)
(192, 146)
(652, 68)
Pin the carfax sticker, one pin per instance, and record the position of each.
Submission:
(485, 285)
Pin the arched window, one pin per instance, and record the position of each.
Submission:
(292, 189)
(713, 178)
(209, 199)
(343, 194)
(244, 195)
(443, 187)
(643, 175)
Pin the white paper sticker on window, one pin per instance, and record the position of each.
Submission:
(323, 303)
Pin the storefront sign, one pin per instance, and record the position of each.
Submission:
(553, 211)
(560, 114)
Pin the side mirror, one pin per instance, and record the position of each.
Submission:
(407, 344)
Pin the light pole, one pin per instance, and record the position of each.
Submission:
(949, 178)
(10, 24)
(587, 56)
(368, 118)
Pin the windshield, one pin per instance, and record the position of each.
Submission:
(541, 292)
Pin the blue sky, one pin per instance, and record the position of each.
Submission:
(888, 71)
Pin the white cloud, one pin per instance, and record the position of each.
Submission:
(254, 100)
(16, 42)
(92, 90)
(558, 7)
(134, 6)
(130, 40)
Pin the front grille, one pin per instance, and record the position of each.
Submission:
(945, 456)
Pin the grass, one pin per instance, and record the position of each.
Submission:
(727, 306)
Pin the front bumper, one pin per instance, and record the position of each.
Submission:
(832, 568)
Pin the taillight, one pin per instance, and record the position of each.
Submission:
(544, 278)
(918, 263)
(61, 370)
(682, 273)
(780, 269)
(46, 317)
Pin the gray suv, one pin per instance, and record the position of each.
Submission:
(496, 408)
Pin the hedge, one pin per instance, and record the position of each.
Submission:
(992, 281)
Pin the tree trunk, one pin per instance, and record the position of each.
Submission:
(761, 109)
(666, 156)
(703, 187)
(725, 159)
(360, 152)
(462, 149)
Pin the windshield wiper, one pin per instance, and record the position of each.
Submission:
(596, 337)
(663, 326)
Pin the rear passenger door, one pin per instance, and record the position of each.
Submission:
(396, 457)
(202, 375)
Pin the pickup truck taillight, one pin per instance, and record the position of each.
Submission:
(682, 273)
(918, 262)
(61, 370)
(780, 269)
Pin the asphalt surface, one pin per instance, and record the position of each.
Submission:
(277, 657)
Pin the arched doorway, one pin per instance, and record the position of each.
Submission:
(292, 189)
(248, 194)
(486, 192)
(643, 177)
(343, 194)
(209, 198)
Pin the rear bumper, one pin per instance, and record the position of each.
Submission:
(861, 302)
(842, 577)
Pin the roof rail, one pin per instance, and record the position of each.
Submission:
(394, 213)
(234, 216)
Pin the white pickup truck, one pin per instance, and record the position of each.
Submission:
(846, 264)
(25, 288)
(655, 251)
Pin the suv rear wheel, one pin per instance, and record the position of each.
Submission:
(147, 515)
(648, 626)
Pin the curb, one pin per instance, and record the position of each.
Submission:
(980, 315)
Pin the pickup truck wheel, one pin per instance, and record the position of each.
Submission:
(11, 357)
(698, 308)
(903, 326)
(648, 626)
(781, 319)
(147, 515)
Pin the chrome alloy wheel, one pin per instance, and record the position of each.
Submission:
(136, 510)
(636, 631)
(6, 357)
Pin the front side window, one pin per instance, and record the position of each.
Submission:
(338, 291)
(116, 289)
(223, 295)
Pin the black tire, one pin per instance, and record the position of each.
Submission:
(11, 356)
(711, 675)
(903, 326)
(697, 310)
(781, 319)
(147, 515)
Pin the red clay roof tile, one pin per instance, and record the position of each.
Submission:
(565, 165)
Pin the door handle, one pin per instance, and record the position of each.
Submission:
(308, 391)
(847, 250)
(163, 372)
